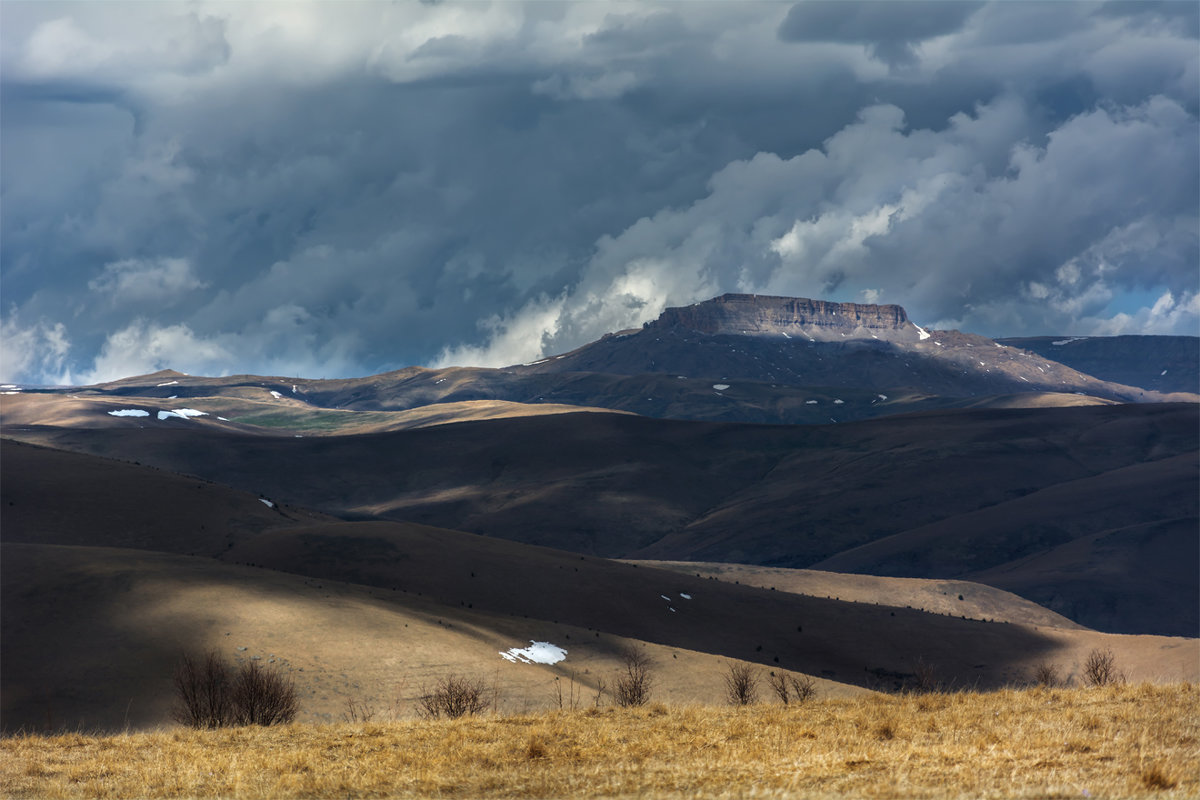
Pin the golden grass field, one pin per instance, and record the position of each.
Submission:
(1123, 741)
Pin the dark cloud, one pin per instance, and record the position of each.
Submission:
(340, 190)
(891, 29)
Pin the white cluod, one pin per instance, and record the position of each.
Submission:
(536, 653)
(129, 412)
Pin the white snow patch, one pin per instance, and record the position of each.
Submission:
(882, 396)
(11, 391)
(9, 386)
(720, 387)
(222, 419)
(1164, 372)
(685, 596)
(664, 597)
(129, 412)
(266, 502)
(672, 608)
(939, 344)
(1025, 379)
(536, 653)
(921, 332)
(1061, 342)
(839, 402)
(276, 395)
(810, 402)
(293, 388)
(982, 364)
(785, 335)
(439, 380)
(169, 383)
(182, 413)
(535, 363)
(173, 397)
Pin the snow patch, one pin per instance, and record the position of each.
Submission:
(536, 653)
(535, 363)
(921, 332)
(1164, 372)
(882, 396)
(810, 402)
(276, 395)
(222, 419)
(129, 412)
(664, 597)
(168, 383)
(839, 402)
(266, 502)
(293, 388)
(1061, 342)
(182, 413)
(785, 335)
(720, 387)
(685, 596)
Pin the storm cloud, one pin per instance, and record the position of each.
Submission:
(328, 190)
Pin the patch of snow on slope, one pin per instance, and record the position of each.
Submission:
(810, 402)
(182, 413)
(266, 502)
(1164, 372)
(168, 383)
(129, 412)
(536, 653)
(882, 396)
(276, 395)
(839, 402)
(720, 387)
(921, 332)
(685, 596)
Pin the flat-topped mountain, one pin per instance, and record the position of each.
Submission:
(761, 315)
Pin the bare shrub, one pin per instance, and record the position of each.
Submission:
(741, 684)
(632, 687)
(1100, 669)
(455, 696)
(262, 696)
(211, 694)
(924, 677)
(358, 711)
(1046, 674)
(787, 688)
(202, 692)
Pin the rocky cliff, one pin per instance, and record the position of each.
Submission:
(753, 314)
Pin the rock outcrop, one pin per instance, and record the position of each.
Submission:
(753, 314)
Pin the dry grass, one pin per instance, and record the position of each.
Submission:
(1118, 741)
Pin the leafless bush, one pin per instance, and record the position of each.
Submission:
(202, 692)
(1100, 669)
(211, 694)
(358, 711)
(924, 677)
(632, 687)
(741, 684)
(1046, 674)
(262, 696)
(787, 688)
(455, 696)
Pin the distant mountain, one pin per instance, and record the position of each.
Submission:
(1161, 363)
(735, 358)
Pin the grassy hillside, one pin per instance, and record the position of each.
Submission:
(1125, 741)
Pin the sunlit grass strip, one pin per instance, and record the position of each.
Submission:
(1125, 741)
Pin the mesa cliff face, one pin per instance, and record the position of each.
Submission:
(750, 314)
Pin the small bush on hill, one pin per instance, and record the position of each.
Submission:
(632, 687)
(787, 688)
(741, 685)
(1100, 669)
(454, 697)
(211, 694)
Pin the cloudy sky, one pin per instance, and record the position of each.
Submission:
(340, 189)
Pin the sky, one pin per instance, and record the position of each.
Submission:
(340, 189)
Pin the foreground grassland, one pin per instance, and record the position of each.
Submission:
(1125, 741)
